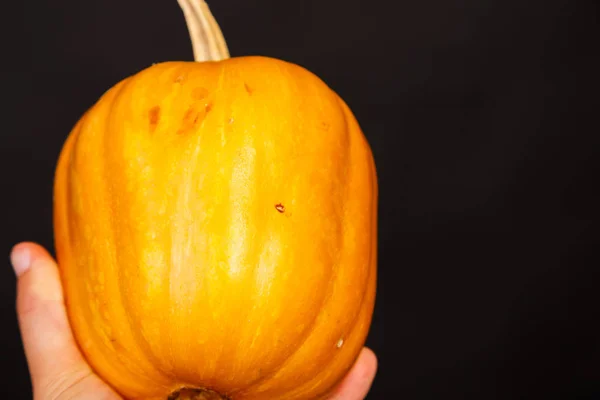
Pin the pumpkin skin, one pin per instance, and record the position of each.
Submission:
(215, 227)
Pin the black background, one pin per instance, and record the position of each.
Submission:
(483, 118)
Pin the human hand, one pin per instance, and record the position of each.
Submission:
(57, 368)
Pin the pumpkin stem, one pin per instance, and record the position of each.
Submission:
(208, 42)
(196, 394)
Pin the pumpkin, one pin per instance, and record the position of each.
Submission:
(215, 228)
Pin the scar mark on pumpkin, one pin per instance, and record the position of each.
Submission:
(154, 117)
(199, 93)
(179, 79)
(192, 117)
(248, 89)
(189, 120)
(188, 115)
(326, 126)
(280, 207)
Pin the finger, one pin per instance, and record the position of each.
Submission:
(357, 383)
(50, 348)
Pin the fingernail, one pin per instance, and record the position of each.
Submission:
(20, 260)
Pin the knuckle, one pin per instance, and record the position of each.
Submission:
(28, 301)
(32, 306)
(35, 293)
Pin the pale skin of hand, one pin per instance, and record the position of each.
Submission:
(57, 368)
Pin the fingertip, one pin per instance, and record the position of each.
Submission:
(25, 254)
(357, 383)
(37, 250)
(365, 368)
(369, 361)
(38, 280)
(20, 258)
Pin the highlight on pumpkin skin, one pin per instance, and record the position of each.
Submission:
(57, 368)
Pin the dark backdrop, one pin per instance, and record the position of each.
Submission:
(483, 119)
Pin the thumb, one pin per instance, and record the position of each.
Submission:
(55, 364)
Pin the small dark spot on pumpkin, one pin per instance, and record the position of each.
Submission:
(325, 126)
(188, 115)
(154, 116)
(199, 93)
(189, 119)
(248, 88)
(208, 107)
(280, 207)
(179, 79)
(230, 120)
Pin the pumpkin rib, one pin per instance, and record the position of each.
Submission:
(143, 346)
(308, 330)
(62, 234)
(191, 163)
(366, 309)
(299, 390)
(274, 368)
(277, 367)
(366, 303)
(70, 152)
(170, 270)
(363, 297)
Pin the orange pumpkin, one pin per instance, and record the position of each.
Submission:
(215, 227)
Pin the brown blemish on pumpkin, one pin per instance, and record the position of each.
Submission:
(280, 207)
(199, 93)
(179, 79)
(192, 117)
(187, 117)
(154, 116)
(248, 88)
(325, 126)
